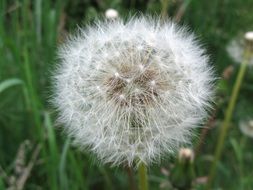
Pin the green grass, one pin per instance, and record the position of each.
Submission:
(30, 31)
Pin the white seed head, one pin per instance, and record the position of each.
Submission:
(236, 48)
(246, 127)
(111, 14)
(143, 102)
(249, 36)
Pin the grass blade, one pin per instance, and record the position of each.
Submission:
(9, 83)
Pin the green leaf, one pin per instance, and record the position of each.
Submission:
(237, 150)
(9, 83)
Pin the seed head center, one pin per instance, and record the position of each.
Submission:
(132, 87)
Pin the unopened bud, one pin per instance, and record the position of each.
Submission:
(249, 40)
(186, 154)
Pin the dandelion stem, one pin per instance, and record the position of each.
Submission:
(228, 116)
(131, 181)
(143, 177)
(165, 6)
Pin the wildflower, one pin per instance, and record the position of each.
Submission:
(132, 91)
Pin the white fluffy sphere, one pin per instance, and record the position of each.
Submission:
(132, 91)
(249, 36)
(237, 46)
(111, 14)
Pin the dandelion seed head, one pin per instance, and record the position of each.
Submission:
(246, 127)
(236, 47)
(249, 36)
(111, 14)
(132, 91)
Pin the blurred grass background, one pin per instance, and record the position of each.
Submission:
(30, 31)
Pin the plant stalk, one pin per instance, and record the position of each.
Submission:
(228, 116)
(143, 177)
(164, 11)
(130, 174)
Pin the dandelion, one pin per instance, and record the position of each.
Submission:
(236, 48)
(249, 36)
(246, 127)
(132, 91)
(111, 14)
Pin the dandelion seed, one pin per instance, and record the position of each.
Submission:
(128, 115)
(152, 83)
(141, 67)
(116, 74)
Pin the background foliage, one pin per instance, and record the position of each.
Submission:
(35, 155)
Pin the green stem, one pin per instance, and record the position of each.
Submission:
(228, 116)
(165, 6)
(131, 181)
(143, 177)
